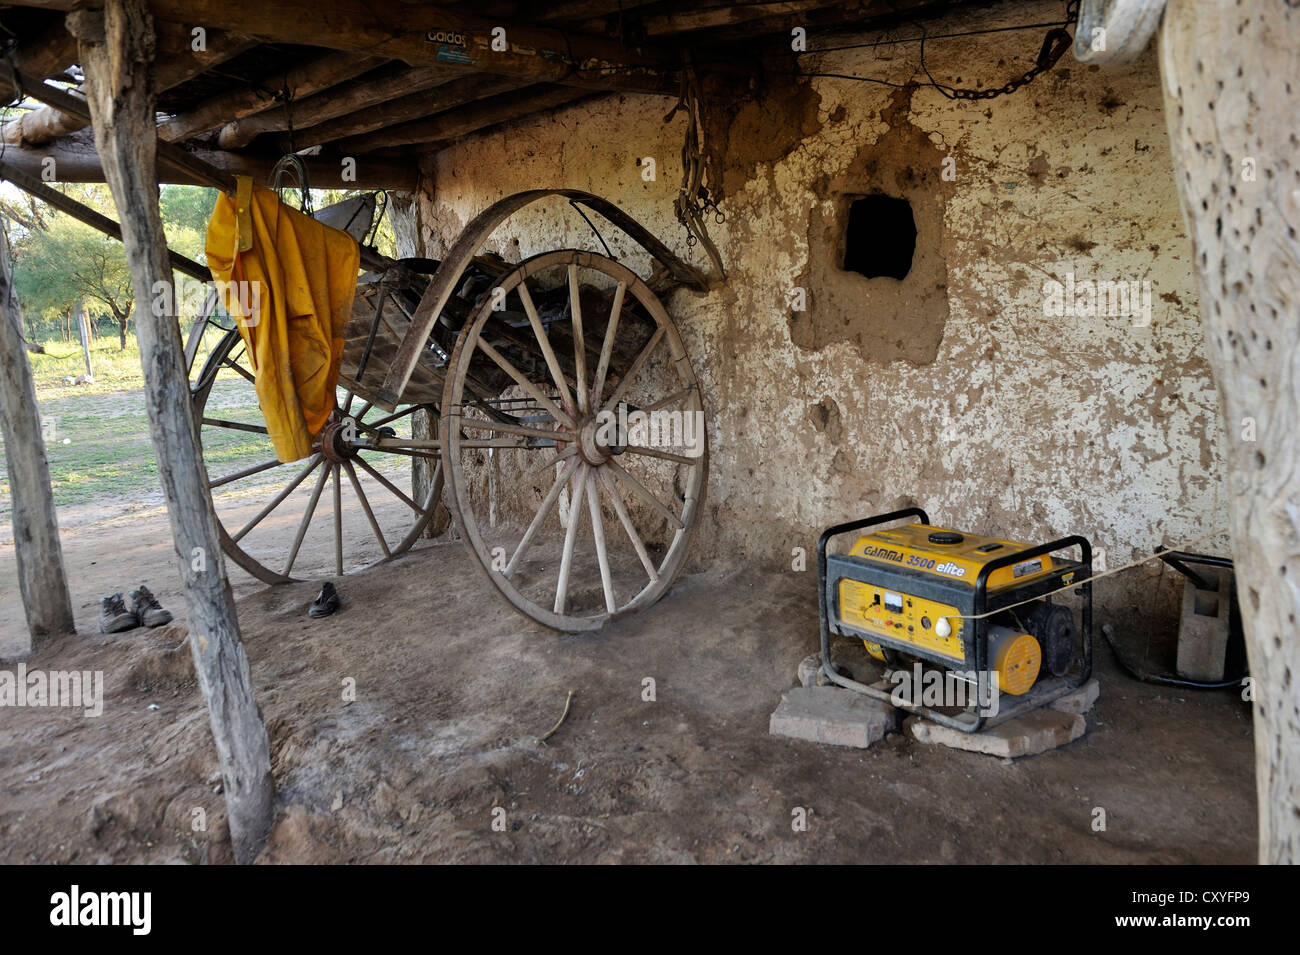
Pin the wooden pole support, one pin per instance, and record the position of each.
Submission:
(41, 580)
(1231, 96)
(121, 104)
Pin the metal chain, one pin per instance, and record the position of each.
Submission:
(1055, 44)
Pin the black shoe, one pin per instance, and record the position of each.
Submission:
(326, 602)
(114, 617)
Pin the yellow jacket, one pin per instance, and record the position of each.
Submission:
(301, 277)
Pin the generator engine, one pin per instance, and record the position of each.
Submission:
(971, 604)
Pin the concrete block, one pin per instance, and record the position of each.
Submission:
(1035, 732)
(825, 714)
(810, 671)
(1203, 629)
(1078, 701)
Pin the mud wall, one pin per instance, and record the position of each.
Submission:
(959, 387)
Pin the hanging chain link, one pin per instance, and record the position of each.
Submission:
(1057, 41)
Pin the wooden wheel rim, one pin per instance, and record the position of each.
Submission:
(457, 483)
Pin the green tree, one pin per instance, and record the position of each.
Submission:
(185, 213)
(69, 262)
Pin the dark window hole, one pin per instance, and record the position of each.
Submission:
(880, 238)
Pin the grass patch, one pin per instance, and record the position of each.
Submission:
(97, 436)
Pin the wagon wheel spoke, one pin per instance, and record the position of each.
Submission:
(620, 508)
(645, 495)
(607, 348)
(544, 341)
(306, 519)
(598, 537)
(246, 472)
(672, 399)
(543, 512)
(659, 453)
(579, 483)
(278, 499)
(637, 364)
(579, 339)
(561, 455)
(389, 485)
(235, 425)
(338, 522)
(387, 419)
(508, 367)
(365, 506)
(244, 372)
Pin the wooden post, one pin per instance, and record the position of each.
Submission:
(1232, 95)
(83, 329)
(41, 580)
(116, 48)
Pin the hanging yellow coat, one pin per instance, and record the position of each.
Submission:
(291, 280)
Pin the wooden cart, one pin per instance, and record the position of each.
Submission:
(527, 371)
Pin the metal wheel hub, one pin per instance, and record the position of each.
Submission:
(336, 439)
(589, 444)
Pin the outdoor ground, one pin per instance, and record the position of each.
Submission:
(452, 689)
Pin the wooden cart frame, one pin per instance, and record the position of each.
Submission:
(524, 368)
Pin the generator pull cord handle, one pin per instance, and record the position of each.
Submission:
(835, 531)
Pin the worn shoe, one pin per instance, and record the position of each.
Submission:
(148, 608)
(326, 602)
(114, 617)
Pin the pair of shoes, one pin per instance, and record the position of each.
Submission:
(145, 609)
(326, 602)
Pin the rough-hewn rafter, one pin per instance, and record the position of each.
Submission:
(334, 103)
(47, 124)
(428, 36)
(75, 160)
(467, 119)
(301, 81)
(83, 213)
(459, 92)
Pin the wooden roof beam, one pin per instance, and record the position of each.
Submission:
(431, 36)
(75, 160)
(303, 114)
(459, 92)
(35, 187)
(48, 54)
(467, 119)
(44, 125)
(301, 81)
(589, 9)
(709, 18)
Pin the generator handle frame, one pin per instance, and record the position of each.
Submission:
(1008, 560)
(823, 619)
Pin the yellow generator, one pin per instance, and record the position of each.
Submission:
(979, 607)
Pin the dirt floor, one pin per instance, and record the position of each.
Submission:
(453, 688)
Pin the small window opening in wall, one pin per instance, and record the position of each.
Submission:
(880, 238)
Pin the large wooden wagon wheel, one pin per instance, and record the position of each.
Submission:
(318, 517)
(575, 338)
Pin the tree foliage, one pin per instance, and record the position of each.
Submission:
(68, 262)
